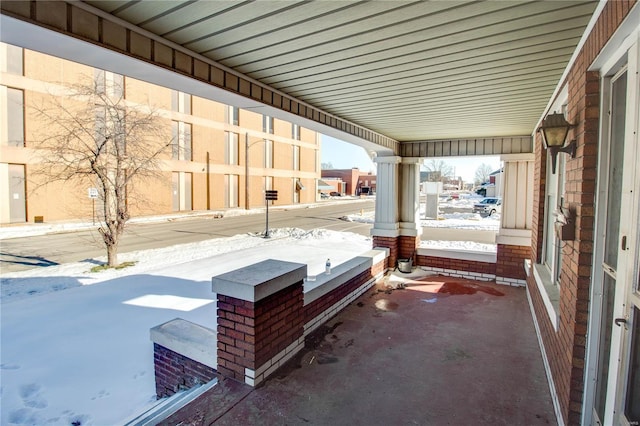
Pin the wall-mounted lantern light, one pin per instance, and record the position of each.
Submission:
(554, 133)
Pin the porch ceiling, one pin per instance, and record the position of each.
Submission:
(410, 70)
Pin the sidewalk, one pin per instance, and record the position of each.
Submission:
(440, 352)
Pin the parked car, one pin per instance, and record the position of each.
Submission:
(488, 206)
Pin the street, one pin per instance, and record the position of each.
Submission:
(19, 254)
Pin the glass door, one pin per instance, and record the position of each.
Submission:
(615, 167)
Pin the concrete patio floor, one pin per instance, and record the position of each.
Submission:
(441, 351)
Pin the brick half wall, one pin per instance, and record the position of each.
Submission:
(175, 372)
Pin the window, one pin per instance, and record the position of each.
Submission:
(231, 148)
(268, 154)
(108, 83)
(232, 115)
(295, 131)
(552, 249)
(180, 102)
(12, 177)
(267, 124)
(182, 191)
(110, 125)
(181, 146)
(296, 157)
(13, 119)
(296, 190)
(14, 59)
(268, 183)
(231, 191)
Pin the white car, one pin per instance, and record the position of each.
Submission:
(488, 206)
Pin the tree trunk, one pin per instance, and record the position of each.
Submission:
(112, 255)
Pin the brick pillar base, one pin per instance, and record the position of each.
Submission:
(510, 263)
(408, 247)
(390, 243)
(260, 319)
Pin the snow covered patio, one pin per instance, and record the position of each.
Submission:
(440, 351)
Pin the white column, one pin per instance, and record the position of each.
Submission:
(386, 221)
(410, 197)
(517, 200)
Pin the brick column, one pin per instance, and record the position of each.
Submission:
(510, 264)
(390, 243)
(408, 247)
(260, 318)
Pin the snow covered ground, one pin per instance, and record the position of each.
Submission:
(75, 344)
(459, 220)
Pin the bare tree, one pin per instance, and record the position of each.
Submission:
(445, 169)
(326, 166)
(482, 173)
(96, 138)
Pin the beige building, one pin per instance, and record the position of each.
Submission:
(221, 157)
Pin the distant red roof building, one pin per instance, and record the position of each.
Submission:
(355, 181)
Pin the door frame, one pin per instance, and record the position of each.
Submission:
(612, 59)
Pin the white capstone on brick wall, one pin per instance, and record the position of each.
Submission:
(187, 339)
(260, 280)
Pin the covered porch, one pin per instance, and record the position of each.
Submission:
(438, 351)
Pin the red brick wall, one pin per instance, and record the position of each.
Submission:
(318, 306)
(249, 334)
(457, 264)
(566, 347)
(348, 176)
(408, 247)
(175, 372)
(392, 244)
(510, 261)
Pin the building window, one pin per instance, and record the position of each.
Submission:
(108, 83)
(552, 249)
(110, 126)
(296, 157)
(296, 190)
(180, 102)
(231, 191)
(182, 191)
(13, 118)
(268, 183)
(295, 131)
(181, 147)
(267, 124)
(231, 148)
(12, 179)
(268, 154)
(14, 59)
(232, 115)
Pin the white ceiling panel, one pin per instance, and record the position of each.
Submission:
(411, 70)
